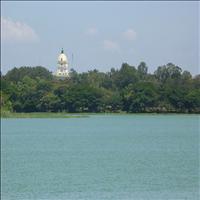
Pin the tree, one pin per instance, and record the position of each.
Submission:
(173, 71)
(168, 71)
(140, 97)
(192, 100)
(17, 74)
(49, 103)
(125, 76)
(142, 69)
(33, 89)
(6, 104)
(162, 73)
(186, 75)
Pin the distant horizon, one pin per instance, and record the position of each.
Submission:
(102, 35)
(108, 70)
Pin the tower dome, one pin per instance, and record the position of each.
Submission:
(62, 58)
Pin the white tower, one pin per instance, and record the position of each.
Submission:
(63, 66)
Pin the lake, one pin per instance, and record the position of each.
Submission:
(139, 157)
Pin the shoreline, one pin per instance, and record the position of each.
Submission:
(5, 115)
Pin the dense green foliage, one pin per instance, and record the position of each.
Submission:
(129, 89)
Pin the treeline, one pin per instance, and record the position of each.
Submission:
(129, 89)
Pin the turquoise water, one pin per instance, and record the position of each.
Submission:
(142, 157)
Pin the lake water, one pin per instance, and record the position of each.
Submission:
(111, 157)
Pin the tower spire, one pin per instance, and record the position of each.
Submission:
(62, 51)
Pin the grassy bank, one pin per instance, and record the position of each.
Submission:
(6, 114)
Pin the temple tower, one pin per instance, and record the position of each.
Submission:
(63, 66)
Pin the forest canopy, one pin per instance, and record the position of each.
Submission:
(128, 89)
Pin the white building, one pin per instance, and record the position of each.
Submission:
(63, 66)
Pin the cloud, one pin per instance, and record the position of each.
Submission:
(129, 34)
(91, 31)
(111, 45)
(16, 31)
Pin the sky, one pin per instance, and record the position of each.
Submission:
(100, 35)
